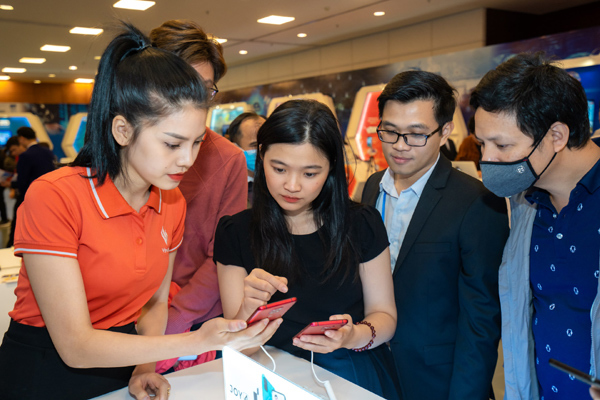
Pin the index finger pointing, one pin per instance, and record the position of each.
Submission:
(278, 282)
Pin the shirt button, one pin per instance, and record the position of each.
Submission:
(140, 241)
(559, 236)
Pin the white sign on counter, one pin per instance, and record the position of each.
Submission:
(246, 379)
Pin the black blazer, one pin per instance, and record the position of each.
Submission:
(446, 288)
(33, 163)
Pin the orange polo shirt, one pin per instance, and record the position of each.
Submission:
(123, 255)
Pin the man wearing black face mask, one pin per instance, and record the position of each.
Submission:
(532, 121)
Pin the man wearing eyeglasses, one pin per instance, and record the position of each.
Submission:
(214, 186)
(446, 234)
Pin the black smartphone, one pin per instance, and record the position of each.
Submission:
(580, 375)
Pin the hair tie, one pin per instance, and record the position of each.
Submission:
(135, 50)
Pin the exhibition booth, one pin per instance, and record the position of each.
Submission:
(354, 104)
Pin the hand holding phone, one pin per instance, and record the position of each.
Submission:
(271, 311)
(579, 375)
(319, 328)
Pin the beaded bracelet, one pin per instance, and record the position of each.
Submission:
(373, 334)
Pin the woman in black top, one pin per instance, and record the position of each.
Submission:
(304, 238)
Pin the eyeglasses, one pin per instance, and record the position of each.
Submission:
(411, 139)
(213, 91)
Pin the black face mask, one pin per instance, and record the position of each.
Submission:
(506, 179)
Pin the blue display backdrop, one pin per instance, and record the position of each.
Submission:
(55, 118)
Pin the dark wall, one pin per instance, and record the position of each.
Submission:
(508, 26)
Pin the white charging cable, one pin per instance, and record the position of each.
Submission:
(327, 384)
(268, 355)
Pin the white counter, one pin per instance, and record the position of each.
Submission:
(9, 265)
(205, 381)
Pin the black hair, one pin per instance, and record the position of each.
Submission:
(299, 122)
(12, 141)
(141, 83)
(409, 86)
(538, 94)
(26, 132)
(234, 132)
(471, 124)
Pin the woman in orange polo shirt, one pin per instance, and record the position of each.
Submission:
(98, 240)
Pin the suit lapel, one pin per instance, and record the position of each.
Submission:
(429, 198)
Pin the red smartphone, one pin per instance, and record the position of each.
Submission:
(271, 311)
(319, 328)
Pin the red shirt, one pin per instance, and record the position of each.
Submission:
(123, 255)
(216, 185)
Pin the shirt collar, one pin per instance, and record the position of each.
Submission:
(109, 201)
(387, 182)
(590, 181)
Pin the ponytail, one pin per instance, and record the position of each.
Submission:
(141, 83)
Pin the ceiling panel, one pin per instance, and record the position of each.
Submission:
(34, 23)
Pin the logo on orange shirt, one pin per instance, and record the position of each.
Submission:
(164, 235)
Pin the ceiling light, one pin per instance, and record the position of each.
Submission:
(379, 13)
(216, 39)
(302, 35)
(84, 80)
(6, 7)
(4, 77)
(86, 31)
(134, 4)
(51, 76)
(97, 57)
(29, 60)
(37, 81)
(51, 47)
(73, 68)
(275, 20)
(9, 70)
(243, 51)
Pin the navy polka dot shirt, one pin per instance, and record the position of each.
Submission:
(564, 271)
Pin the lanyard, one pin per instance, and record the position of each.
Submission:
(383, 206)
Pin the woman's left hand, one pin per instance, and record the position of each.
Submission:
(331, 340)
(141, 385)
